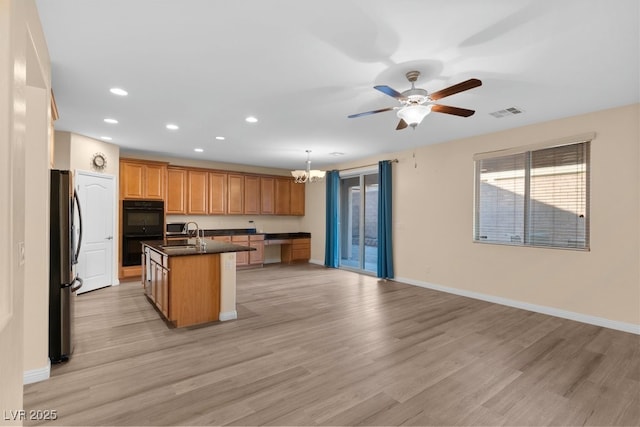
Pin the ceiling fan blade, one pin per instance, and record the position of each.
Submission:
(369, 112)
(452, 90)
(401, 125)
(463, 112)
(389, 91)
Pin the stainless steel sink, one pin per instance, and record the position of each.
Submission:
(176, 247)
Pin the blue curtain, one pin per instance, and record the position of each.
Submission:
(385, 222)
(331, 251)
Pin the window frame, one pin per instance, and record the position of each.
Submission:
(527, 152)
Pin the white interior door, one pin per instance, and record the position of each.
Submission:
(97, 203)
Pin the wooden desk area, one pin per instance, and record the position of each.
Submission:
(295, 249)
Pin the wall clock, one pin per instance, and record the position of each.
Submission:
(99, 161)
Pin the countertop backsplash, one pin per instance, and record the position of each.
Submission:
(262, 223)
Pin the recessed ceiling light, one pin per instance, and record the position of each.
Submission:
(112, 121)
(336, 153)
(251, 119)
(106, 138)
(171, 126)
(198, 150)
(118, 91)
(220, 138)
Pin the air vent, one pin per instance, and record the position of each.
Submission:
(511, 111)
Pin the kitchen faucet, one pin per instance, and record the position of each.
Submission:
(198, 240)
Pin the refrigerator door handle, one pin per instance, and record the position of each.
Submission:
(77, 202)
(80, 282)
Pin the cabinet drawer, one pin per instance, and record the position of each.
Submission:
(303, 253)
(240, 239)
(256, 237)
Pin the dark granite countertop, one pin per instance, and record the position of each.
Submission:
(181, 247)
(278, 236)
(247, 231)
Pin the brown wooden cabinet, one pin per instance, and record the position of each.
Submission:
(267, 195)
(242, 258)
(217, 193)
(256, 257)
(251, 204)
(297, 198)
(282, 196)
(298, 251)
(235, 196)
(142, 179)
(176, 202)
(197, 192)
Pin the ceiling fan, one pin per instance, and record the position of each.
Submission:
(416, 103)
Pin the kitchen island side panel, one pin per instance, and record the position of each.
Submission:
(194, 289)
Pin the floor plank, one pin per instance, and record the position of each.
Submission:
(316, 346)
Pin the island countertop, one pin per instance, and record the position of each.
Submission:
(184, 247)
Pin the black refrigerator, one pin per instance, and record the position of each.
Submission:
(65, 239)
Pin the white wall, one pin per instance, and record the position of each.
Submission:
(75, 152)
(433, 223)
(24, 63)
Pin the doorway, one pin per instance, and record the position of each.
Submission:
(359, 222)
(97, 203)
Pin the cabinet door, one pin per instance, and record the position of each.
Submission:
(217, 193)
(197, 192)
(257, 256)
(131, 180)
(251, 195)
(176, 191)
(267, 195)
(297, 198)
(242, 258)
(283, 196)
(235, 187)
(154, 181)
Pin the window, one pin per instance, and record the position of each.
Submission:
(534, 198)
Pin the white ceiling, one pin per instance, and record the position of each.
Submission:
(301, 67)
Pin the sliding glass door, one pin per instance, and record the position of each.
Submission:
(359, 221)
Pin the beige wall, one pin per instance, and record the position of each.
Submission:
(433, 222)
(24, 97)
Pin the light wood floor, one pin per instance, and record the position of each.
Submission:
(320, 346)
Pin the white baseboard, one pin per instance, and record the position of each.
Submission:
(272, 261)
(228, 315)
(565, 314)
(316, 261)
(37, 375)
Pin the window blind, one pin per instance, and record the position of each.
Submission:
(537, 198)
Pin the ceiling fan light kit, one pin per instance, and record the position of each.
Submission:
(417, 103)
(307, 175)
(413, 114)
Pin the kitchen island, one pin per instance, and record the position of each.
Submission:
(191, 284)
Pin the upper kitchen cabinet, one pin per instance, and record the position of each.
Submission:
(217, 193)
(176, 202)
(267, 195)
(142, 179)
(235, 194)
(251, 195)
(283, 196)
(297, 198)
(197, 192)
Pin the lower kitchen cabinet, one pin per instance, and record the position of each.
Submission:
(251, 258)
(185, 289)
(155, 277)
(298, 251)
(257, 242)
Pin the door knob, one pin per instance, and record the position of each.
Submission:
(110, 238)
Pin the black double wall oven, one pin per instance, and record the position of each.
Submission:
(141, 220)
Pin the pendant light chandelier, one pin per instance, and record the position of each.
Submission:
(307, 175)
